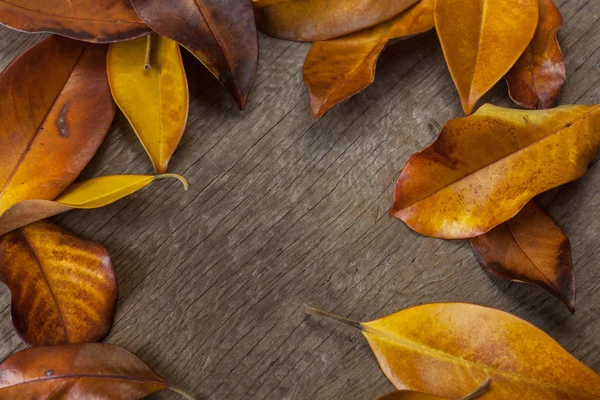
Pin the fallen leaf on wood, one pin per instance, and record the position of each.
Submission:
(154, 100)
(447, 349)
(63, 288)
(77, 371)
(99, 21)
(482, 40)
(412, 395)
(536, 79)
(55, 114)
(312, 20)
(530, 248)
(93, 193)
(337, 69)
(220, 33)
(482, 169)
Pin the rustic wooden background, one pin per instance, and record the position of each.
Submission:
(283, 212)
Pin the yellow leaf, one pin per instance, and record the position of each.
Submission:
(154, 100)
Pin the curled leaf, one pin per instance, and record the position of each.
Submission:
(447, 349)
(312, 20)
(99, 21)
(56, 113)
(220, 33)
(154, 100)
(482, 40)
(530, 248)
(483, 169)
(536, 79)
(339, 68)
(93, 193)
(63, 288)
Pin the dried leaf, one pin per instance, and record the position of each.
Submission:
(63, 288)
(337, 69)
(536, 79)
(312, 20)
(220, 33)
(99, 21)
(447, 349)
(93, 193)
(483, 169)
(77, 371)
(155, 101)
(530, 248)
(57, 111)
(482, 40)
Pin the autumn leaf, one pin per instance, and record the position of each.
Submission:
(483, 169)
(220, 33)
(337, 69)
(93, 193)
(447, 349)
(530, 248)
(55, 118)
(536, 79)
(154, 100)
(63, 288)
(412, 395)
(99, 21)
(312, 20)
(482, 40)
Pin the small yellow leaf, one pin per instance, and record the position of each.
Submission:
(154, 100)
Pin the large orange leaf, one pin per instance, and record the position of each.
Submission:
(530, 248)
(447, 349)
(55, 113)
(77, 371)
(220, 33)
(483, 169)
(538, 76)
(482, 40)
(63, 288)
(100, 21)
(313, 20)
(337, 69)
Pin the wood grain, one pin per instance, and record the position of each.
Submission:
(283, 211)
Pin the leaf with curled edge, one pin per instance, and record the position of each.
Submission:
(63, 288)
(93, 193)
(220, 33)
(482, 169)
(312, 20)
(100, 21)
(530, 248)
(447, 349)
(56, 115)
(536, 79)
(337, 69)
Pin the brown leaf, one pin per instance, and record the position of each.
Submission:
(312, 20)
(63, 288)
(77, 371)
(220, 33)
(101, 21)
(56, 115)
(337, 69)
(483, 169)
(482, 40)
(530, 248)
(536, 79)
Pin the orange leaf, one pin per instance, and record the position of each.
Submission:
(483, 169)
(536, 79)
(337, 69)
(530, 248)
(482, 40)
(63, 288)
(312, 20)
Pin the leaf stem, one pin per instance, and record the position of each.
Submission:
(147, 65)
(186, 184)
(483, 388)
(181, 392)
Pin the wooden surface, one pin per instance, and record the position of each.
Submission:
(283, 212)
